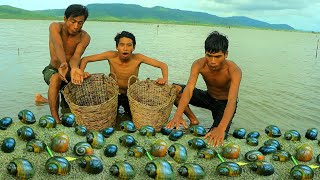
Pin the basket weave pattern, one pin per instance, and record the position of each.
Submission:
(150, 103)
(94, 103)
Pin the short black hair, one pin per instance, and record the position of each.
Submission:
(127, 35)
(216, 42)
(75, 10)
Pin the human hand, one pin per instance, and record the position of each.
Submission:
(216, 137)
(176, 122)
(86, 75)
(76, 76)
(63, 70)
(161, 81)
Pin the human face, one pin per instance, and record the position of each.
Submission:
(215, 61)
(74, 24)
(125, 48)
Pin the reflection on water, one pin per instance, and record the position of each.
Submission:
(280, 82)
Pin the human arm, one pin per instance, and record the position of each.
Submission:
(216, 135)
(158, 64)
(96, 57)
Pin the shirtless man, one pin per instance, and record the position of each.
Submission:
(67, 42)
(222, 78)
(123, 63)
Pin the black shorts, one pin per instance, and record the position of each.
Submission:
(124, 102)
(201, 98)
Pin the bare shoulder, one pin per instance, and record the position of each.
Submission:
(199, 62)
(233, 67)
(139, 57)
(56, 26)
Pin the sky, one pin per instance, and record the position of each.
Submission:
(299, 14)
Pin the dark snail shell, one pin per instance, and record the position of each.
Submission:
(192, 171)
(165, 131)
(60, 142)
(206, 153)
(230, 169)
(47, 121)
(58, 165)
(127, 140)
(292, 135)
(281, 155)
(197, 143)
(81, 130)
(273, 142)
(304, 153)
(68, 120)
(273, 131)
(253, 134)
(198, 130)
(312, 133)
(178, 152)
(252, 141)
(239, 133)
(26, 117)
(262, 168)
(159, 148)
(5, 123)
(35, 145)
(21, 168)
(254, 155)
(231, 151)
(147, 131)
(318, 159)
(107, 132)
(267, 149)
(91, 164)
(159, 169)
(136, 151)
(122, 170)
(26, 133)
(8, 145)
(95, 139)
(175, 135)
(301, 172)
(82, 148)
(111, 150)
(128, 126)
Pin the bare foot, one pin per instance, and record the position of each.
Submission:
(38, 98)
(194, 122)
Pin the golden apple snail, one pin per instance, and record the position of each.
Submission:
(197, 143)
(47, 121)
(159, 148)
(206, 153)
(127, 140)
(292, 135)
(35, 145)
(8, 145)
(68, 120)
(254, 155)
(281, 155)
(229, 169)
(175, 135)
(122, 170)
(165, 131)
(60, 142)
(178, 152)
(312, 133)
(159, 169)
(26, 133)
(304, 153)
(147, 131)
(128, 126)
(273, 131)
(21, 168)
(239, 133)
(111, 150)
(267, 149)
(253, 134)
(231, 151)
(273, 142)
(262, 168)
(95, 139)
(26, 117)
(91, 164)
(5, 123)
(192, 171)
(81, 130)
(198, 130)
(252, 141)
(136, 151)
(58, 165)
(301, 172)
(107, 132)
(82, 148)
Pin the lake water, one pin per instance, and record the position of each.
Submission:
(281, 74)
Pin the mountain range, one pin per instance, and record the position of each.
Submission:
(137, 13)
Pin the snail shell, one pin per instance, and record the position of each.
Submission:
(304, 153)
(60, 142)
(136, 151)
(8, 145)
(127, 140)
(111, 150)
(230, 169)
(107, 132)
(47, 121)
(122, 170)
(262, 168)
(26, 133)
(192, 171)
(197, 143)
(82, 148)
(147, 131)
(159, 148)
(301, 172)
(5, 123)
(207, 153)
(273, 131)
(68, 120)
(253, 134)
(239, 133)
(81, 130)
(267, 149)
(128, 126)
(21, 168)
(198, 130)
(91, 164)
(292, 135)
(252, 141)
(175, 135)
(318, 159)
(57, 165)
(273, 142)
(95, 139)
(159, 169)
(178, 152)
(165, 131)
(312, 134)
(281, 155)
(35, 145)
(26, 117)
(231, 151)
(254, 155)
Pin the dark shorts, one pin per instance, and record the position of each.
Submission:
(201, 98)
(124, 102)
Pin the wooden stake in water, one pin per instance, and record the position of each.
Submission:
(317, 48)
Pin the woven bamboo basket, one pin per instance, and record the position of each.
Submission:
(150, 103)
(94, 103)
